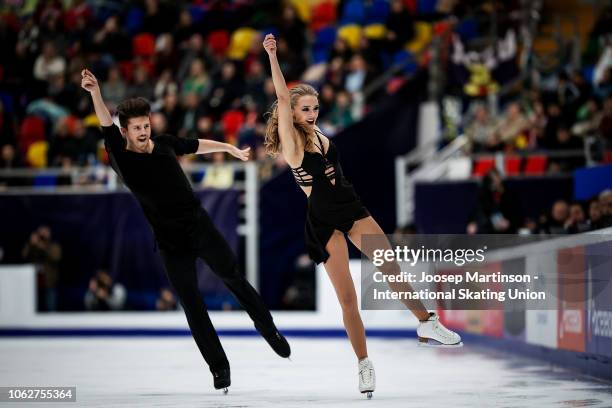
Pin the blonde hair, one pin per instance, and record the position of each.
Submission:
(272, 140)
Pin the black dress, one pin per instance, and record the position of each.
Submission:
(332, 204)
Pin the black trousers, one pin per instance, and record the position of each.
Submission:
(181, 270)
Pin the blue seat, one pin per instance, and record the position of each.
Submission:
(325, 37)
(197, 14)
(377, 12)
(405, 58)
(425, 7)
(134, 20)
(353, 13)
(44, 180)
(468, 29)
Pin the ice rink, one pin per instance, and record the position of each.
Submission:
(169, 372)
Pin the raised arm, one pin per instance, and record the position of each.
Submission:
(90, 84)
(286, 131)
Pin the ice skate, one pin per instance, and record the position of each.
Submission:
(367, 377)
(222, 379)
(433, 333)
(277, 341)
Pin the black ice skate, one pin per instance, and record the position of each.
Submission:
(222, 379)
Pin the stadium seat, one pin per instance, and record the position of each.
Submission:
(325, 37)
(232, 121)
(353, 12)
(482, 165)
(422, 37)
(143, 45)
(426, 7)
(302, 9)
(133, 20)
(608, 156)
(241, 42)
(375, 31)
(37, 154)
(197, 14)
(377, 12)
(407, 59)
(32, 130)
(323, 14)
(351, 34)
(218, 41)
(512, 165)
(535, 165)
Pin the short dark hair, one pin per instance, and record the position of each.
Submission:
(132, 108)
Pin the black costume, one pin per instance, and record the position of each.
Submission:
(332, 204)
(184, 232)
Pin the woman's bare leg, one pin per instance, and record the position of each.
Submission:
(369, 226)
(337, 268)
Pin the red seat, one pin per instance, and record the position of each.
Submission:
(143, 45)
(32, 130)
(608, 156)
(536, 165)
(512, 165)
(218, 41)
(482, 166)
(323, 14)
(232, 122)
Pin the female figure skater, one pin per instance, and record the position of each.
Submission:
(333, 209)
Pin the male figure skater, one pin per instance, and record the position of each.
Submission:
(183, 230)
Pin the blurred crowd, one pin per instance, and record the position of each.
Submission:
(498, 212)
(200, 63)
(565, 111)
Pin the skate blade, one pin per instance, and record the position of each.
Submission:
(368, 394)
(424, 342)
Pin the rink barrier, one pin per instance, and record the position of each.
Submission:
(308, 333)
(576, 330)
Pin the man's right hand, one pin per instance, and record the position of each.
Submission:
(89, 81)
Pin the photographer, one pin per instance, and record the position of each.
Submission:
(46, 254)
(104, 294)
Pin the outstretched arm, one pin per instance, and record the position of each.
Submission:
(286, 132)
(211, 146)
(90, 84)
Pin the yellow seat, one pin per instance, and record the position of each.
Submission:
(37, 154)
(422, 37)
(375, 31)
(302, 9)
(240, 43)
(351, 34)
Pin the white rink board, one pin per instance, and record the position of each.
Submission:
(17, 311)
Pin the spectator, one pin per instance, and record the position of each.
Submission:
(46, 254)
(400, 28)
(140, 87)
(220, 175)
(104, 294)
(113, 88)
(595, 221)
(576, 222)
(481, 129)
(605, 125)
(49, 64)
(166, 301)
(341, 115)
(198, 80)
(112, 41)
(559, 216)
(512, 125)
(496, 212)
(605, 205)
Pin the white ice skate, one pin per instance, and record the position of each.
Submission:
(367, 377)
(433, 333)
